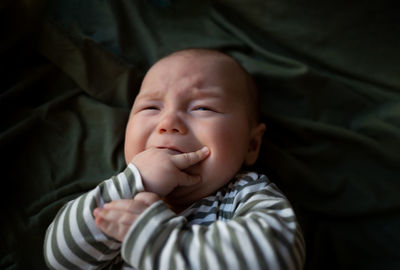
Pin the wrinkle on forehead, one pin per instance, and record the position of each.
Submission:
(189, 93)
(163, 83)
(180, 76)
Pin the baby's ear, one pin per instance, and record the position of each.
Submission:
(255, 144)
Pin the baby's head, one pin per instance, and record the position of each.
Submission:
(195, 98)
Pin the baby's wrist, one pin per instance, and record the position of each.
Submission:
(137, 177)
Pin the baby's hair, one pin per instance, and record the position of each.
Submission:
(252, 88)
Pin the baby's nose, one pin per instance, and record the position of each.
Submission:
(172, 123)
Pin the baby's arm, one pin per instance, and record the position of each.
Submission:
(263, 234)
(115, 218)
(73, 241)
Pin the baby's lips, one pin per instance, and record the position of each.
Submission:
(175, 151)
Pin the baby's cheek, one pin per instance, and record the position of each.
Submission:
(131, 150)
(216, 165)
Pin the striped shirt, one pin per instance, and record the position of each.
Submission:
(248, 224)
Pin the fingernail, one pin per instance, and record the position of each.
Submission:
(205, 150)
(96, 211)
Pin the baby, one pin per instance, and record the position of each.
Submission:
(182, 202)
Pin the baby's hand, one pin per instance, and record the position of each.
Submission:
(116, 217)
(162, 171)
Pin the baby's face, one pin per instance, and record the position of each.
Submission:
(185, 104)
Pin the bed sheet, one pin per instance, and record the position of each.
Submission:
(329, 84)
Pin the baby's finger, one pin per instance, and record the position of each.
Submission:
(133, 206)
(115, 216)
(147, 198)
(112, 229)
(185, 160)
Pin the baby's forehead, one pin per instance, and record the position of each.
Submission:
(192, 82)
(199, 68)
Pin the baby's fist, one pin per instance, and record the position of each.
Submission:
(162, 171)
(116, 217)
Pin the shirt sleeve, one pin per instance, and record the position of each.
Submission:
(73, 241)
(262, 234)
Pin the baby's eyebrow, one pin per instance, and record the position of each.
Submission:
(148, 95)
(214, 92)
(193, 94)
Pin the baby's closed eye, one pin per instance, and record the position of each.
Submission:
(203, 108)
(151, 108)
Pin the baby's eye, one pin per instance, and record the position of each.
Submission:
(203, 108)
(150, 108)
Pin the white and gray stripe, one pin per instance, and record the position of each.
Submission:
(249, 224)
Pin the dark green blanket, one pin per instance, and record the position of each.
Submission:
(329, 77)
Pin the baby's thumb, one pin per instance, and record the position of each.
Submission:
(185, 160)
